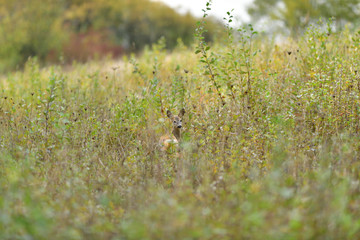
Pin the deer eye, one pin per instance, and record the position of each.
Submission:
(174, 121)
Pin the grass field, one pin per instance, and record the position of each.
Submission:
(270, 146)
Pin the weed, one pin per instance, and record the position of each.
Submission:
(270, 144)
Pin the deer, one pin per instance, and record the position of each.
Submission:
(167, 141)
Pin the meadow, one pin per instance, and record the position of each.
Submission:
(270, 145)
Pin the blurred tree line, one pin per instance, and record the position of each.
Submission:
(82, 29)
(297, 15)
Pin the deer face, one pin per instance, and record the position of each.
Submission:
(176, 119)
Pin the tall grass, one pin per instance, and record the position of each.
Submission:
(270, 148)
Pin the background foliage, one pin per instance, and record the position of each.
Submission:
(66, 30)
(296, 16)
(28, 28)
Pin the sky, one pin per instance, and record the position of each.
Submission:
(218, 9)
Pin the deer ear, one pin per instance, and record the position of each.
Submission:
(182, 112)
(169, 114)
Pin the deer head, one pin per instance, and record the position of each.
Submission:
(176, 119)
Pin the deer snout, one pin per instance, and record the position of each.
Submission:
(179, 126)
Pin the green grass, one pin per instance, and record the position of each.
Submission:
(279, 160)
